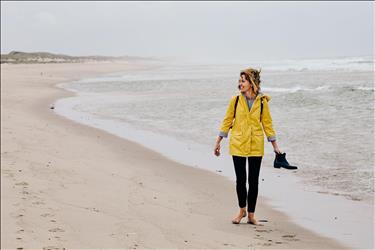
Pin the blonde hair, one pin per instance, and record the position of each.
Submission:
(253, 76)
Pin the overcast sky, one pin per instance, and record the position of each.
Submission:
(202, 31)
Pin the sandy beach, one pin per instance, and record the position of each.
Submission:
(66, 185)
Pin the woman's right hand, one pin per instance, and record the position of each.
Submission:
(217, 149)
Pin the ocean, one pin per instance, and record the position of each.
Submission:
(322, 111)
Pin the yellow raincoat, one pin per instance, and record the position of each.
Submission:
(246, 137)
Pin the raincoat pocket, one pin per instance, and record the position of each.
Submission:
(236, 140)
(257, 141)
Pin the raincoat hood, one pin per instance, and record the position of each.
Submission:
(267, 97)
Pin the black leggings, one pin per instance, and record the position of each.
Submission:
(240, 169)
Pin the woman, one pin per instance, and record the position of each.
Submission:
(246, 118)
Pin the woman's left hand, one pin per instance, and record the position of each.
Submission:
(276, 147)
(277, 150)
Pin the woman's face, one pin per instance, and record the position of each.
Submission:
(243, 84)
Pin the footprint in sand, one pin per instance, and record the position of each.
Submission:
(53, 248)
(293, 239)
(259, 237)
(23, 183)
(93, 209)
(8, 173)
(229, 244)
(38, 203)
(46, 215)
(263, 230)
(290, 237)
(56, 230)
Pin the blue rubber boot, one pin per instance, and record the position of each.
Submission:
(281, 162)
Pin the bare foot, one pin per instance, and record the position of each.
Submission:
(251, 220)
(238, 219)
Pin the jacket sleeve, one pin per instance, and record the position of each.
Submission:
(228, 119)
(267, 122)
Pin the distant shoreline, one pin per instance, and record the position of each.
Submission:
(19, 57)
